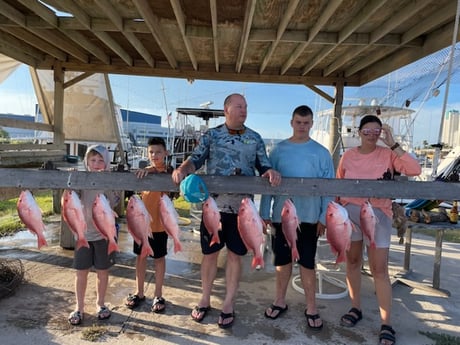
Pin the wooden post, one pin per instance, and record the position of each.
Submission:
(336, 124)
(437, 258)
(407, 249)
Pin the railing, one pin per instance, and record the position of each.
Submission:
(401, 188)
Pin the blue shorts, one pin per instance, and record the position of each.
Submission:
(158, 242)
(307, 240)
(229, 236)
(383, 227)
(96, 255)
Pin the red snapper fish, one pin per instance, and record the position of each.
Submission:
(367, 222)
(339, 228)
(72, 212)
(169, 218)
(31, 216)
(211, 219)
(104, 220)
(290, 224)
(251, 229)
(138, 220)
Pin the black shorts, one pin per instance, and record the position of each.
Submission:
(96, 255)
(229, 236)
(158, 242)
(307, 240)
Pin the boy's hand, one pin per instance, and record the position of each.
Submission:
(141, 173)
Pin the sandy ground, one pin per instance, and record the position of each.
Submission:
(37, 312)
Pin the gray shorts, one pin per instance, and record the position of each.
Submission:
(383, 227)
(96, 255)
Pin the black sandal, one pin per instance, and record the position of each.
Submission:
(350, 320)
(159, 305)
(387, 333)
(133, 301)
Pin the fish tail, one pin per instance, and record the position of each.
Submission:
(295, 254)
(41, 241)
(146, 250)
(177, 246)
(257, 261)
(341, 257)
(82, 242)
(113, 247)
(215, 239)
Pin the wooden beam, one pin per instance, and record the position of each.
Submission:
(58, 118)
(31, 39)
(248, 18)
(36, 126)
(215, 38)
(153, 23)
(180, 18)
(50, 36)
(365, 12)
(322, 20)
(55, 179)
(378, 33)
(286, 17)
(17, 54)
(206, 72)
(119, 24)
(442, 15)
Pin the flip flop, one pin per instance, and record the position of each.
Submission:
(276, 308)
(313, 318)
(133, 301)
(75, 318)
(201, 312)
(226, 316)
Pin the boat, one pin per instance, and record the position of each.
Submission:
(398, 118)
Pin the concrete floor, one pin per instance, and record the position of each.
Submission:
(37, 312)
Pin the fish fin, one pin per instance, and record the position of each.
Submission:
(113, 247)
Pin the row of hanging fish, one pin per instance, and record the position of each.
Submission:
(250, 225)
(103, 217)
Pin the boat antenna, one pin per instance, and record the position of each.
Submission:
(446, 95)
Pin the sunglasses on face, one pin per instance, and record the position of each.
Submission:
(369, 131)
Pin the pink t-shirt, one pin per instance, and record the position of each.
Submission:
(370, 166)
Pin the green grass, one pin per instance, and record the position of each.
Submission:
(10, 222)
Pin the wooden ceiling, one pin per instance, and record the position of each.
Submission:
(316, 42)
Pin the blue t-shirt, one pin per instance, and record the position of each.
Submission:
(228, 154)
(308, 159)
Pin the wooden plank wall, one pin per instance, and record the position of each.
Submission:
(56, 179)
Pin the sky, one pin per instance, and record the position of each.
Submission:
(269, 105)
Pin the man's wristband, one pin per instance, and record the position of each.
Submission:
(395, 146)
